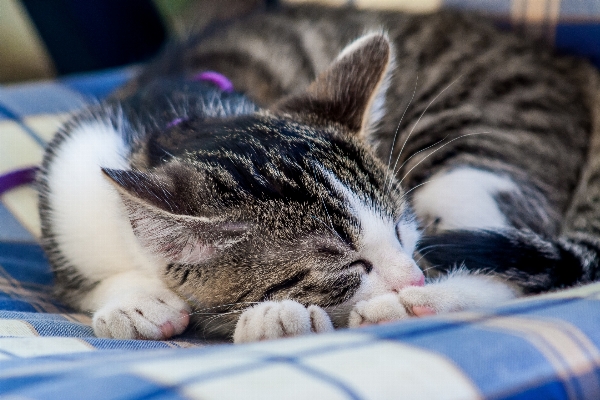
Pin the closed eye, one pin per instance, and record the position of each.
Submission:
(360, 264)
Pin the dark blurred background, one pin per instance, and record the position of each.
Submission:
(47, 38)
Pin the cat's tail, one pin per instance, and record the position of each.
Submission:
(534, 263)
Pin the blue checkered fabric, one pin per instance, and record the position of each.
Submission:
(573, 26)
(542, 347)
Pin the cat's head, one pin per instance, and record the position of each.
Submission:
(287, 203)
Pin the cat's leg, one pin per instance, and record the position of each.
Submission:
(99, 264)
(460, 290)
(277, 319)
(462, 198)
(134, 305)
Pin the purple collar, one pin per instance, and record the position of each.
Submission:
(24, 176)
(17, 177)
(213, 77)
(216, 78)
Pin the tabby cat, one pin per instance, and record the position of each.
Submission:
(295, 204)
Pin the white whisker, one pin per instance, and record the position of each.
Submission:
(439, 148)
(203, 311)
(420, 151)
(432, 267)
(415, 187)
(419, 119)
(396, 132)
(214, 318)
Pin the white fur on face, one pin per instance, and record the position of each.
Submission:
(379, 244)
(88, 217)
(463, 199)
(409, 234)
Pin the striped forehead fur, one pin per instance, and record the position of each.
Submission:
(258, 159)
(376, 222)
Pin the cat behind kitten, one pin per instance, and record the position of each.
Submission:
(298, 205)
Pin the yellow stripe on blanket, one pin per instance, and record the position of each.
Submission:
(416, 6)
(373, 370)
(174, 371)
(353, 359)
(19, 150)
(536, 17)
(570, 352)
(46, 125)
(325, 2)
(22, 204)
(566, 348)
(43, 346)
(274, 381)
(16, 328)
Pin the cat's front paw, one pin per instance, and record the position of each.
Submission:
(277, 319)
(384, 308)
(412, 301)
(429, 300)
(155, 316)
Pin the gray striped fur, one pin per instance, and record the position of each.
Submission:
(462, 93)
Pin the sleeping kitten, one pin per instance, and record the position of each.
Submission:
(286, 210)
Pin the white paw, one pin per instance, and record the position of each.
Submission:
(272, 320)
(155, 316)
(456, 292)
(413, 301)
(434, 299)
(379, 309)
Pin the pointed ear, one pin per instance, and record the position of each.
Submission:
(351, 92)
(152, 210)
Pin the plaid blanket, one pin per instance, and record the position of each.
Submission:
(541, 347)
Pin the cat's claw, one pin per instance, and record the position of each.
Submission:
(142, 316)
(272, 320)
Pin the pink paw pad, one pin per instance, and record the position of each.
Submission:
(422, 311)
(167, 329)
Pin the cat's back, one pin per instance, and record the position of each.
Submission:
(273, 53)
(494, 100)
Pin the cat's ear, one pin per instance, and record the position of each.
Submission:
(156, 219)
(351, 92)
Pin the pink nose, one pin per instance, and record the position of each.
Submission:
(419, 281)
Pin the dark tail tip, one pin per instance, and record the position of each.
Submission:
(534, 263)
